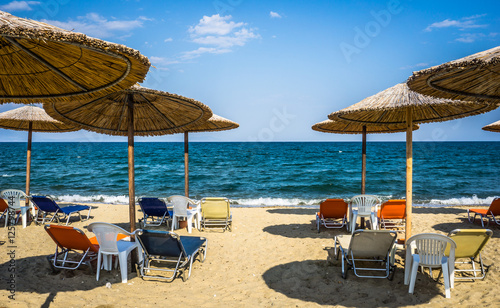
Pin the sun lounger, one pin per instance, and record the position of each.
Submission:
(469, 245)
(491, 214)
(332, 214)
(73, 248)
(216, 212)
(167, 252)
(155, 212)
(48, 208)
(365, 247)
(392, 214)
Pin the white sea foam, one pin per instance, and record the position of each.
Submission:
(7, 175)
(473, 200)
(95, 198)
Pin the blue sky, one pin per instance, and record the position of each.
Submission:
(278, 67)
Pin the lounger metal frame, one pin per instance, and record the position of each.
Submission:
(183, 261)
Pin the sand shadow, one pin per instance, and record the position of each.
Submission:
(295, 211)
(303, 231)
(320, 282)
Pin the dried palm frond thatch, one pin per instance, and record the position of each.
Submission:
(474, 77)
(214, 124)
(344, 127)
(20, 119)
(40, 62)
(155, 112)
(493, 127)
(390, 107)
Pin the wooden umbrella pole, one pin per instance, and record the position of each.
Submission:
(363, 170)
(186, 164)
(28, 158)
(409, 172)
(131, 175)
(363, 163)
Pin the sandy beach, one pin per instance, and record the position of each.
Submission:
(273, 257)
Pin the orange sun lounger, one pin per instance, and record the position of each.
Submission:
(332, 214)
(492, 213)
(392, 214)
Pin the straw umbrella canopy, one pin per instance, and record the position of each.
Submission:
(345, 127)
(136, 111)
(32, 119)
(400, 105)
(493, 127)
(214, 124)
(474, 77)
(40, 62)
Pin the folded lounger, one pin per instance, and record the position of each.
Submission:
(167, 252)
(48, 208)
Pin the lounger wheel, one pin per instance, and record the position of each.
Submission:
(345, 267)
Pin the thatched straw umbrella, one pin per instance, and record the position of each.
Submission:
(400, 105)
(493, 127)
(136, 111)
(32, 119)
(344, 127)
(471, 78)
(40, 62)
(214, 124)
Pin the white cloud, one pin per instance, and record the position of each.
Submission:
(472, 37)
(418, 65)
(161, 61)
(19, 6)
(168, 40)
(463, 23)
(274, 15)
(218, 34)
(96, 25)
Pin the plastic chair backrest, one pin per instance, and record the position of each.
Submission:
(431, 248)
(160, 243)
(13, 195)
(372, 243)
(494, 207)
(153, 206)
(45, 204)
(215, 208)
(107, 235)
(469, 242)
(180, 204)
(333, 208)
(364, 203)
(393, 209)
(69, 237)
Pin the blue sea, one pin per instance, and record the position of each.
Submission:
(257, 174)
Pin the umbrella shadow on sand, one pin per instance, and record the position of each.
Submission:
(299, 211)
(320, 281)
(34, 275)
(303, 231)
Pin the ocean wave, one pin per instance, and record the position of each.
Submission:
(270, 201)
(7, 175)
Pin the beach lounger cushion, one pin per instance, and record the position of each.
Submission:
(367, 247)
(48, 208)
(488, 215)
(332, 214)
(166, 253)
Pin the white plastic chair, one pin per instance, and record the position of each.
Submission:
(106, 234)
(428, 250)
(13, 199)
(181, 210)
(365, 206)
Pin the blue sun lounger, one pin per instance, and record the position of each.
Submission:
(155, 212)
(48, 208)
